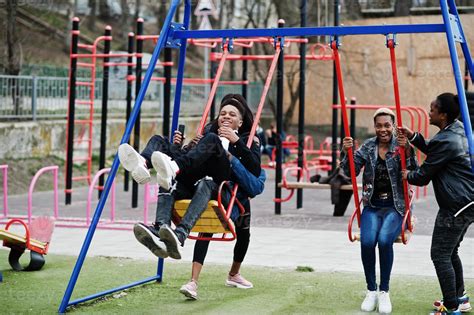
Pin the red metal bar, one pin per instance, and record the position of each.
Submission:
(375, 107)
(218, 56)
(391, 46)
(347, 131)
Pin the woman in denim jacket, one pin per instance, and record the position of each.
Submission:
(384, 204)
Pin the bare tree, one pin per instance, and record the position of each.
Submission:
(92, 15)
(402, 7)
(353, 9)
(13, 53)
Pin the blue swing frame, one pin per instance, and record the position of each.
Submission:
(175, 35)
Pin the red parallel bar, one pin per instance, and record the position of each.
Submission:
(84, 83)
(81, 121)
(218, 56)
(85, 65)
(84, 102)
(391, 46)
(207, 81)
(77, 178)
(207, 109)
(85, 46)
(347, 131)
(375, 107)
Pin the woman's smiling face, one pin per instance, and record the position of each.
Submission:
(229, 116)
(383, 128)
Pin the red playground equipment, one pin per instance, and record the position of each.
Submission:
(36, 239)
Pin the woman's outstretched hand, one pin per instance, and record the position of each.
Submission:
(347, 143)
(407, 132)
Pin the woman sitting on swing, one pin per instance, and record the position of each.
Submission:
(181, 173)
(384, 204)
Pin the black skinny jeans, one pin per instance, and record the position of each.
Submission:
(242, 231)
(448, 234)
(207, 158)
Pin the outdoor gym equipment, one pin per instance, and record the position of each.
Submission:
(175, 35)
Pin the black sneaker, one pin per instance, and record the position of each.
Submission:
(169, 237)
(148, 236)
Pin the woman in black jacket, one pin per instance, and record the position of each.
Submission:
(447, 165)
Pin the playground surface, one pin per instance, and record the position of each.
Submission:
(310, 236)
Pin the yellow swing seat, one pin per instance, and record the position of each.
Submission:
(213, 220)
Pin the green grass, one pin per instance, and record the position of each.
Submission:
(277, 291)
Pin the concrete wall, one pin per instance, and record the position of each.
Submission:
(37, 139)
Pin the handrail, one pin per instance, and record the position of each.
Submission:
(53, 169)
(92, 186)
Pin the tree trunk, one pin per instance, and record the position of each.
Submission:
(124, 27)
(92, 15)
(353, 10)
(402, 7)
(13, 54)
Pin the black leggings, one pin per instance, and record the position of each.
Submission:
(242, 231)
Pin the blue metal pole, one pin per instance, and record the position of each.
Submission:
(120, 288)
(159, 270)
(180, 74)
(465, 48)
(115, 165)
(458, 78)
(313, 31)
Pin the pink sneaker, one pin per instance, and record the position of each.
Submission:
(190, 290)
(238, 281)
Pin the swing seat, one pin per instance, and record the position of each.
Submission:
(36, 239)
(399, 239)
(212, 220)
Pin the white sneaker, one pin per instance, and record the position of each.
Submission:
(166, 169)
(385, 306)
(370, 301)
(133, 162)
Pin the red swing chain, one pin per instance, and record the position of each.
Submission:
(266, 88)
(357, 212)
(407, 218)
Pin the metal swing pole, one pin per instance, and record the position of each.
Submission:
(406, 220)
(108, 184)
(345, 121)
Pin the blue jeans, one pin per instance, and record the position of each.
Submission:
(379, 225)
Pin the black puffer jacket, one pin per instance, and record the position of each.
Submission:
(447, 165)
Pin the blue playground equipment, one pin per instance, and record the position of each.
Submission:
(175, 35)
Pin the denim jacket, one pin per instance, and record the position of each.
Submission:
(249, 185)
(366, 156)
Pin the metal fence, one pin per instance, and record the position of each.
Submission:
(31, 98)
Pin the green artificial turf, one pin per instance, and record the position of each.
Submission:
(276, 291)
